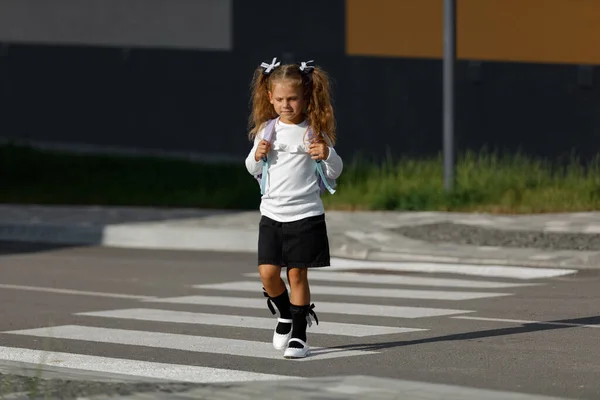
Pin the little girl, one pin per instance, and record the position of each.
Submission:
(292, 230)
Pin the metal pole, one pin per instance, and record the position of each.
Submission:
(449, 66)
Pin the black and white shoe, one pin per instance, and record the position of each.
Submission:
(297, 347)
(283, 330)
(297, 352)
(281, 340)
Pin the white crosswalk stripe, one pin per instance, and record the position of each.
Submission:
(373, 295)
(385, 279)
(496, 271)
(327, 307)
(239, 321)
(143, 369)
(201, 344)
(364, 291)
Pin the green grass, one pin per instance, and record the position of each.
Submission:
(32, 176)
(485, 182)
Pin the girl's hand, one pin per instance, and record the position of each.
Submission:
(262, 150)
(318, 150)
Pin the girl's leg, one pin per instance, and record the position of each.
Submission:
(276, 291)
(298, 279)
(300, 308)
(270, 276)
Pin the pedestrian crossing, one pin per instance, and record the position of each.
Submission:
(353, 277)
(249, 286)
(492, 271)
(134, 368)
(366, 289)
(239, 321)
(175, 341)
(324, 306)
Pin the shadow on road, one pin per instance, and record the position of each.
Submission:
(59, 227)
(12, 247)
(525, 328)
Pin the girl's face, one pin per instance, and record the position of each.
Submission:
(288, 101)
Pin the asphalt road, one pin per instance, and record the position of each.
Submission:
(45, 287)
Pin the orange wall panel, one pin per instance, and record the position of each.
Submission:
(553, 31)
(410, 28)
(547, 31)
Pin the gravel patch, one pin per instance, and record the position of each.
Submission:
(447, 232)
(24, 387)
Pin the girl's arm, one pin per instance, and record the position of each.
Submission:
(333, 164)
(254, 167)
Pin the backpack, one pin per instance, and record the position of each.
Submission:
(324, 183)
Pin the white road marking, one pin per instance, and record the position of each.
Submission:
(145, 369)
(238, 321)
(374, 310)
(369, 387)
(391, 279)
(249, 286)
(498, 271)
(521, 321)
(75, 292)
(542, 257)
(200, 344)
(592, 229)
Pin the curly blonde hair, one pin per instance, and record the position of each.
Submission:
(317, 92)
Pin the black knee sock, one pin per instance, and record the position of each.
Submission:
(299, 324)
(300, 320)
(282, 302)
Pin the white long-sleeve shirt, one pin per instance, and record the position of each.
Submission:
(291, 188)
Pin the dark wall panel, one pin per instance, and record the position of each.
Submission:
(389, 106)
(277, 26)
(540, 109)
(154, 99)
(62, 93)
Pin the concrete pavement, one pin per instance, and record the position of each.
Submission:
(354, 235)
(336, 388)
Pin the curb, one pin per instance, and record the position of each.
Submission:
(419, 257)
(135, 236)
(161, 236)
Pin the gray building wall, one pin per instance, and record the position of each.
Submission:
(180, 24)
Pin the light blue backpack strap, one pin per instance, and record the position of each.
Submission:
(323, 178)
(263, 178)
(269, 130)
(323, 181)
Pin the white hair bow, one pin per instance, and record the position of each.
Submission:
(304, 67)
(270, 67)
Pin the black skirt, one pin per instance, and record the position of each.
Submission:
(301, 243)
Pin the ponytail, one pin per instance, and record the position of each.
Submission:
(261, 108)
(320, 110)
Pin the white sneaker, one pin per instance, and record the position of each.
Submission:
(293, 352)
(281, 340)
